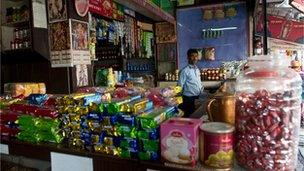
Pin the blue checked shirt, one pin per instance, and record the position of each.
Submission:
(190, 81)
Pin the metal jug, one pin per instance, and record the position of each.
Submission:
(221, 108)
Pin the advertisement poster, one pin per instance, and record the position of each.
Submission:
(80, 35)
(69, 43)
(101, 7)
(298, 4)
(82, 75)
(59, 36)
(39, 14)
(280, 28)
(57, 10)
(82, 7)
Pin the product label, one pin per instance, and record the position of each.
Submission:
(218, 150)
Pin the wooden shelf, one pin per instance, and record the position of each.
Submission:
(139, 59)
(17, 24)
(143, 71)
(14, 51)
(166, 61)
(148, 9)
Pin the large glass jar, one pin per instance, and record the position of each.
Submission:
(268, 109)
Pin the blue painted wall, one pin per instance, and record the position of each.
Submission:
(231, 46)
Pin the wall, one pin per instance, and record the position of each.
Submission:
(233, 45)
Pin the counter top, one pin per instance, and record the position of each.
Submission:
(206, 84)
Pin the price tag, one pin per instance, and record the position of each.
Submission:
(4, 149)
(70, 162)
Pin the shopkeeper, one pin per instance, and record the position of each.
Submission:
(190, 81)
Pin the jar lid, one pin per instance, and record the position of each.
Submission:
(217, 127)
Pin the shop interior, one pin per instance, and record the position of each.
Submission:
(95, 85)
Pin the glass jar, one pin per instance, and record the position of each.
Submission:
(268, 109)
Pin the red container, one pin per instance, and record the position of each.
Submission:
(216, 145)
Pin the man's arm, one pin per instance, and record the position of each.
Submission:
(182, 78)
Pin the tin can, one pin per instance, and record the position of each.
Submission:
(216, 145)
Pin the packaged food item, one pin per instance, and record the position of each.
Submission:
(110, 150)
(127, 131)
(36, 129)
(216, 145)
(37, 99)
(148, 155)
(149, 145)
(129, 153)
(180, 140)
(8, 131)
(127, 120)
(150, 134)
(152, 119)
(115, 106)
(268, 109)
(137, 106)
(109, 120)
(5, 102)
(129, 143)
(25, 89)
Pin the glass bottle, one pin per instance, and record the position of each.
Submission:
(268, 99)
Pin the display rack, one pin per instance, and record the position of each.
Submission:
(148, 9)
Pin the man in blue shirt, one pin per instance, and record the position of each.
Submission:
(190, 81)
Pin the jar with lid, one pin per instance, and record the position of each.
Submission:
(268, 109)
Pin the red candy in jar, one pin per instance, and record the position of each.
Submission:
(268, 109)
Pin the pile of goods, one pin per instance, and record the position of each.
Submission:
(35, 118)
(213, 74)
(123, 121)
(233, 68)
(25, 89)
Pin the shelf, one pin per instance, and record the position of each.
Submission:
(103, 60)
(144, 71)
(149, 59)
(166, 61)
(21, 56)
(148, 9)
(17, 24)
(17, 51)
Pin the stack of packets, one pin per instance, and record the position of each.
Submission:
(130, 127)
(24, 89)
(37, 121)
(5, 101)
(8, 127)
(169, 96)
(74, 109)
(148, 133)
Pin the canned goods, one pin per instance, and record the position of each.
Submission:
(216, 145)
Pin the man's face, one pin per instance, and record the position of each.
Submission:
(193, 58)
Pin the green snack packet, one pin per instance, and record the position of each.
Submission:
(127, 131)
(149, 145)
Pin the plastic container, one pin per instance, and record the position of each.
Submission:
(268, 109)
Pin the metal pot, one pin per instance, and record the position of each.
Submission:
(221, 108)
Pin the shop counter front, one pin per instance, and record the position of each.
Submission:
(63, 158)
